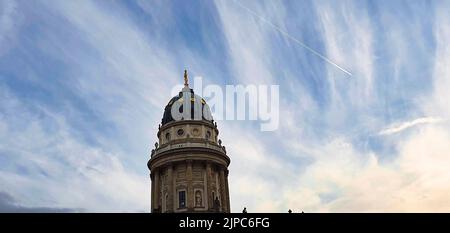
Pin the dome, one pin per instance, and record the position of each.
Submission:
(205, 113)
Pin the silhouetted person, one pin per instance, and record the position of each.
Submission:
(217, 204)
(244, 210)
(289, 211)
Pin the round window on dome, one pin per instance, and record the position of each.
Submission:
(180, 132)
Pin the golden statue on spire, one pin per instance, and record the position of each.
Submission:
(186, 82)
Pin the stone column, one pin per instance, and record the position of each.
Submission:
(156, 190)
(227, 190)
(152, 188)
(223, 194)
(190, 189)
(170, 191)
(209, 186)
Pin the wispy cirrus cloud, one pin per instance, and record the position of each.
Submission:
(10, 19)
(8, 205)
(331, 164)
(41, 154)
(406, 125)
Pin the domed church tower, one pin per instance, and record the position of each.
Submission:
(189, 165)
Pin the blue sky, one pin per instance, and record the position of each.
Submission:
(83, 85)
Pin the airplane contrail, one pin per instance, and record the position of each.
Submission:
(283, 32)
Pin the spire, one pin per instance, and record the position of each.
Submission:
(186, 81)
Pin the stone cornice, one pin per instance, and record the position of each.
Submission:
(191, 153)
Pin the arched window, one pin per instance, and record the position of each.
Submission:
(165, 203)
(182, 199)
(198, 198)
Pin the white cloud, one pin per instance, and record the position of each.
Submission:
(342, 177)
(9, 19)
(438, 102)
(53, 168)
(406, 125)
(248, 41)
